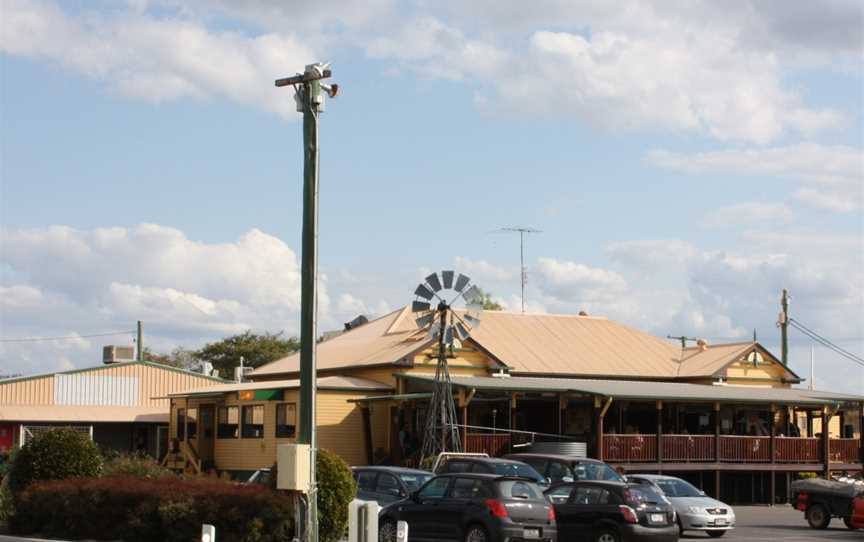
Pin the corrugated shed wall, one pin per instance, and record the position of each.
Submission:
(34, 391)
(126, 384)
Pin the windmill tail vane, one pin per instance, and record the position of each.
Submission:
(444, 325)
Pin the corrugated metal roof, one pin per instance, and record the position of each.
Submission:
(542, 344)
(652, 391)
(325, 383)
(110, 366)
(93, 414)
(374, 343)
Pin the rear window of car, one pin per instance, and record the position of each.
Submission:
(414, 481)
(643, 493)
(517, 489)
(456, 466)
(517, 469)
(596, 471)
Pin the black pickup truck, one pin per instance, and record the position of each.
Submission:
(821, 500)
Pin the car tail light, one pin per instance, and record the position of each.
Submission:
(551, 515)
(628, 513)
(801, 501)
(498, 510)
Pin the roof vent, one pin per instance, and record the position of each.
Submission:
(117, 354)
(702, 345)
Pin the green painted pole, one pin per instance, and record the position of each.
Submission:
(309, 293)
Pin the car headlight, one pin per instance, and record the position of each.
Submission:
(694, 509)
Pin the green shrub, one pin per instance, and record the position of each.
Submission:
(54, 455)
(137, 465)
(158, 510)
(336, 489)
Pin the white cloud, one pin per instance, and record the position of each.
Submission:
(185, 291)
(481, 270)
(833, 176)
(154, 58)
(749, 213)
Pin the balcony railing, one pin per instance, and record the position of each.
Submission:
(688, 448)
(494, 444)
(630, 448)
(745, 449)
(844, 450)
(797, 450)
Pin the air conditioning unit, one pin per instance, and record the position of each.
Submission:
(117, 354)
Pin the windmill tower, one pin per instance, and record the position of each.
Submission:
(433, 304)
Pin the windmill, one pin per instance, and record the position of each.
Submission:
(433, 304)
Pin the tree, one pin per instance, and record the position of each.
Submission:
(489, 304)
(255, 349)
(179, 357)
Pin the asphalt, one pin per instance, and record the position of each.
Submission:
(754, 524)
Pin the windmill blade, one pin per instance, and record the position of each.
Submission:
(447, 277)
(424, 292)
(461, 282)
(420, 306)
(472, 321)
(473, 296)
(434, 282)
(461, 331)
(425, 320)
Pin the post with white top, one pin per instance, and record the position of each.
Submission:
(208, 533)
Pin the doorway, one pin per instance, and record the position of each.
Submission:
(206, 433)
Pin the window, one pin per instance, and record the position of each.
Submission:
(518, 469)
(227, 422)
(591, 495)
(286, 420)
(435, 489)
(388, 485)
(513, 489)
(181, 424)
(560, 472)
(413, 481)
(456, 466)
(481, 467)
(192, 423)
(559, 495)
(366, 480)
(253, 421)
(467, 488)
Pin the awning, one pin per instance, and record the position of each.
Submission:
(647, 391)
(395, 397)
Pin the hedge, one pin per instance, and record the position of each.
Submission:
(336, 489)
(54, 455)
(158, 510)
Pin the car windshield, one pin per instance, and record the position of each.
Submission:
(596, 471)
(413, 481)
(677, 488)
(517, 469)
(515, 489)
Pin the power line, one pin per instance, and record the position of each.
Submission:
(825, 342)
(65, 338)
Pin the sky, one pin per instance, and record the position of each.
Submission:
(684, 161)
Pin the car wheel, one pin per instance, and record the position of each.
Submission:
(848, 522)
(818, 516)
(387, 531)
(715, 534)
(476, 533)
(607, 535)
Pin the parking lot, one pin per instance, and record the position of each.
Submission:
(763, 523)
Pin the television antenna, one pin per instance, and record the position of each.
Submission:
(436, 316)
(523, 270)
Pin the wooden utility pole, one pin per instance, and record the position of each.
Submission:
(783, 323)
(309, 96)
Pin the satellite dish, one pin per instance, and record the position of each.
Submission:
(433, 303)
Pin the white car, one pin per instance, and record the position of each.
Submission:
(696, 510)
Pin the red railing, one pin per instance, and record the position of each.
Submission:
(797, 450)
(745, 449)
(494, 444)
(844, 450)
(688, 448)
(630, 448)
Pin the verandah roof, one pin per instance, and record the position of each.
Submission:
(648, 391)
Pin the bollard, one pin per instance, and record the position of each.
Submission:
(402, 531)
(363, 521)
(208, 533)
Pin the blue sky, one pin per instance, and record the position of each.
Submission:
(685, 163)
